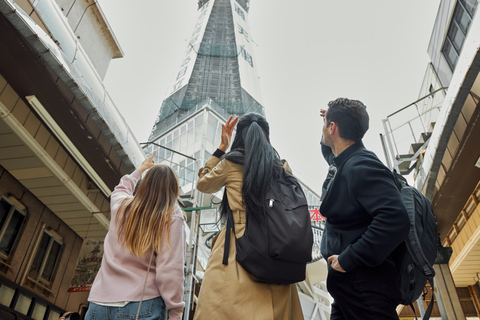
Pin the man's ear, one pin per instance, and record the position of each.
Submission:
(332, 127)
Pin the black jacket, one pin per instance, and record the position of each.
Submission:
(365, 215)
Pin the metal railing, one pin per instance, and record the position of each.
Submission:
(317, 239)
(408, 126)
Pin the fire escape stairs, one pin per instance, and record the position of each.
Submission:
(407, 162)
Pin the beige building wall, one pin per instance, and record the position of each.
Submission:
(16, 266)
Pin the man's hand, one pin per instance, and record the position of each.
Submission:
(147, 163)
(227, 131)
(333, 261)
(322, 113)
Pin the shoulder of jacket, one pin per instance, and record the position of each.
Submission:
(178, 213)
(229, 163)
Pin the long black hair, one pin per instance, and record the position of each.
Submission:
(262, 166)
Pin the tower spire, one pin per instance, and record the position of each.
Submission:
(218, 67)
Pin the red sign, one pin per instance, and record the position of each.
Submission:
(315, 215)
(79, 289)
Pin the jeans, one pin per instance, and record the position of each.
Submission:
(365, 293)
(153, 309)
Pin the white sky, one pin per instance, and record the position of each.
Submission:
(308, 53)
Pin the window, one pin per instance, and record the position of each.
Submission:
(47, 257)
(457, 32)
(12, 216)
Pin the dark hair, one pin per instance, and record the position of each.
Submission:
(350, 116)
(261, 163)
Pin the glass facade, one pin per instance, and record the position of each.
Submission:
(187, 146)
(190, 144)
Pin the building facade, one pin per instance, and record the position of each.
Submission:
(63, 148)
(443, 158)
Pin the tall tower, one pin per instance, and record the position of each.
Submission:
(216, 79)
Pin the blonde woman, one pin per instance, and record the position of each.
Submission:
(143, 259)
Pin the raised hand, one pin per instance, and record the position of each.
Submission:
(227, 131)
(147, 163)
(322, 113)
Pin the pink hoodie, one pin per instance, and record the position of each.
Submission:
(122, 275)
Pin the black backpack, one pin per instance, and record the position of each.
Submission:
(277, 243)
(416, 262)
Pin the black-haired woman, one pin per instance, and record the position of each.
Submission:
(228, 291)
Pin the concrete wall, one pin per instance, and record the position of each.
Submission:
(92, 32)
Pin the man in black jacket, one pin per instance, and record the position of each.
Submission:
(366, 219)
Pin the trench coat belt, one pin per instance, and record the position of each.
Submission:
(239, 216)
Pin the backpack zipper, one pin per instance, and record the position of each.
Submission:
(270, 204)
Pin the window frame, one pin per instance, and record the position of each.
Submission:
(21, 209)
(53, 237)
(449, 43)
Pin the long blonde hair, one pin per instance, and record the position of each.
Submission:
(146, 217)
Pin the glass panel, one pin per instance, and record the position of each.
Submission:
(168, 154)
(41, 251)
(197, 155)
(207, 155)
(470, 6)
(39, 311)
(199, 128)
(51, 261)
(183, 140)
(211, 128)
(190, 136)
(160, 154)
(23, 304)
(6, 295)
(450, 54)
(462, 19)
(53, 315)
(176, 141)
(190, 173)
(181, 173)
(4, 210)
(456, 36)
(11, 232)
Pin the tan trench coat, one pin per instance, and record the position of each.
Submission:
(228, 291)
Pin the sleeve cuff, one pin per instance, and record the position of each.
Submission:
(137, 174)
(346, 260)
(218, 153)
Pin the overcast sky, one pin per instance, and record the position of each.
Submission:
(308, 52)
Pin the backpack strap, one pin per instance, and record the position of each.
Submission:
(428, 312)
(414, 312)
(230, 226)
